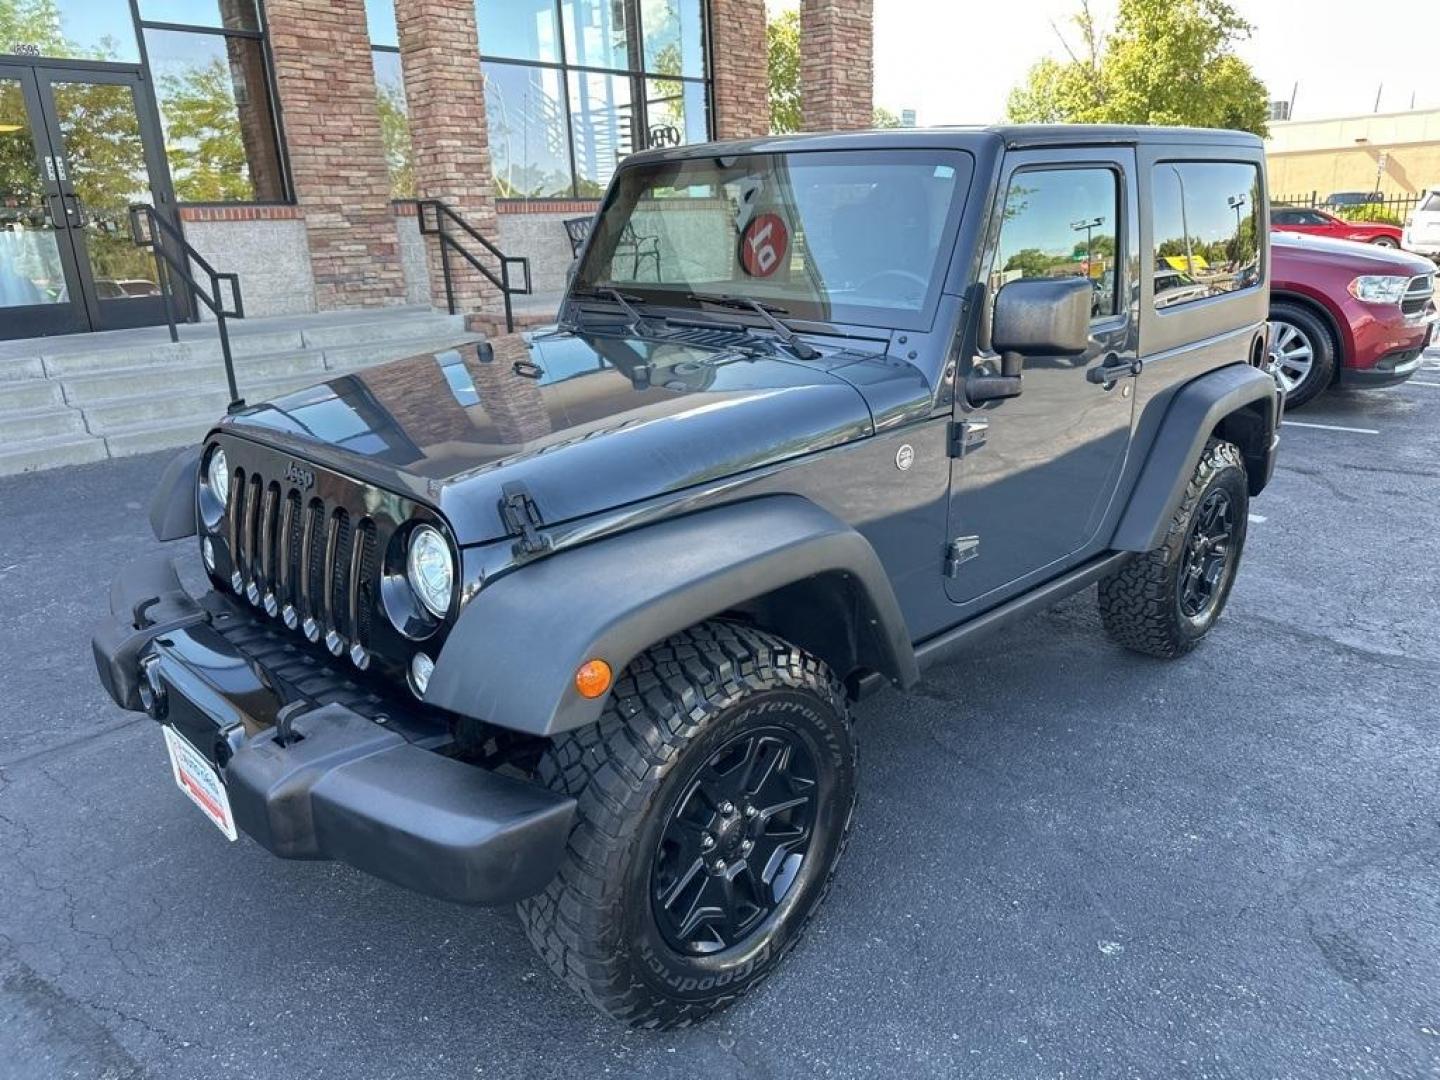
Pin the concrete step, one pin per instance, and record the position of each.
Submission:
(395, 328)
(17, 369)
(23, 395)
(142, 381)
(23, 427)
(50, 453)
(125, 413)
(167, 354)
(158, 435)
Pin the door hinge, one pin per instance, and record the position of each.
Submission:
(967, 436)
(522, 518)
(959, 551)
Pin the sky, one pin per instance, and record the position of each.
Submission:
(955, 61)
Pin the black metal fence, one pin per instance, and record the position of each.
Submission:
(1375, 206)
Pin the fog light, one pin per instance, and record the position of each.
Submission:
(207, 552)
(421, 668)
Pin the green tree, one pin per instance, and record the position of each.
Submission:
(1165, 62)
(395, 136)
(207, 149)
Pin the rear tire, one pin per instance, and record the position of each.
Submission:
(1302, 350)
(1385, 242)
(1163, 602)
(682, 887)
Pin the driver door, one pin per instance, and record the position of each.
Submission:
(1036, 473)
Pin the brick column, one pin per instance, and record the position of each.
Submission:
(326, 85)
(837, 76)
(440, 52)
(742, 74)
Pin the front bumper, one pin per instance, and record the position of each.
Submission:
(1393, 367)
(317, 766)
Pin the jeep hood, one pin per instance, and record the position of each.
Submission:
(586, 421)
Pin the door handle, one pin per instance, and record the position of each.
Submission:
(1112, 369)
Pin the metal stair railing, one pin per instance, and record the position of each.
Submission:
(174, 255)
(440, 224)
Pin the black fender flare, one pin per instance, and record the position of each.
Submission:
(172, 507)
(511, 658)
(1239, 402)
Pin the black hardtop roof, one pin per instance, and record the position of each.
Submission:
(1011, 136)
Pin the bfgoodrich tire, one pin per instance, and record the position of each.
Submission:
(1302, 350)
(714, 801)
(1163, 602)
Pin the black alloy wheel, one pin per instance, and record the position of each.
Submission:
(1207, 549)
(735, 841)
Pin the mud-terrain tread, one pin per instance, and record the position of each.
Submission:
(1137, 602)
(615, 769)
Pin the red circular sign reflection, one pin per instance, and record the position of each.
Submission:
(763, 245)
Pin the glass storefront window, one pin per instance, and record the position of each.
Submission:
(380, 19)
(674, 112)
(518, 29)
(674, 37)
(526, 121)
(595, 34)
(215, 110)
(222, 14)
(69, 29)
(604, 129)
(30, 269)
(394, 123)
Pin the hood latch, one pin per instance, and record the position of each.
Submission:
(522, 518)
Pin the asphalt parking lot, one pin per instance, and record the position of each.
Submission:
(1069, 861)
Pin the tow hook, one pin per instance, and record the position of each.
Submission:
(152, 688)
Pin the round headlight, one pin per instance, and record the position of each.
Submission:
(430, 569)
(217, 476)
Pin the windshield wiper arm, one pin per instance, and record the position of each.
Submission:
(768, 312)
(625, 301)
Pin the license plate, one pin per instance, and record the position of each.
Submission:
(198, 779)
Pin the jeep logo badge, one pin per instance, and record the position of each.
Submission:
(301, 477)
(904, 457)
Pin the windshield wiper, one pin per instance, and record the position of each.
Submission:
(768, 312)
(625, 301)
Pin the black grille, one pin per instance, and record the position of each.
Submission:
(311, 564)
(1418, 295)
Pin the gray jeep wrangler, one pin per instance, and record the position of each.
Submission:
(574, 618)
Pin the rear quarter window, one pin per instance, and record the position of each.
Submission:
(1206, 233)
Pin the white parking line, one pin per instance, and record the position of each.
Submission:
(1256, 519)
(1331, 427)
(1419, 382)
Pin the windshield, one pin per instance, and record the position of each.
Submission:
(842, 237)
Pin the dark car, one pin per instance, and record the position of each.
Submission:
(1346, 314)
(575, 617)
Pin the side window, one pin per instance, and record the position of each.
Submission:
(1207, 218)
(1062, 223)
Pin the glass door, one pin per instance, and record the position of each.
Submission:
(40, 284)
(107, 156)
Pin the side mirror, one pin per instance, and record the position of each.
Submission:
(1034, 317)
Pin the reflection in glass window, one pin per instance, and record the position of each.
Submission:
(380, 21)
(518, 29)
(604, 128)
(595, 34)
(227, 14)
(72, 29)
(215, 108)
(394, 123)
(1207, 238)
(30, 271)
(1061, 223)
(674, 112)
(674, 37)
(525, 117)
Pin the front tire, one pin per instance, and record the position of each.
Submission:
(714, 801)
(1163, 602)
(1385, 242)
(1302, 351)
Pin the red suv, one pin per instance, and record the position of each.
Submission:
(1302, 219)
(1346, 313)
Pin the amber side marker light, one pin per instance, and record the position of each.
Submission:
(592, 678)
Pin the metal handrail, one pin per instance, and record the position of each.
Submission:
(156, 235)
(444, 215)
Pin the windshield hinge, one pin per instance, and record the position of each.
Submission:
(967, 436)
(522, 518)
